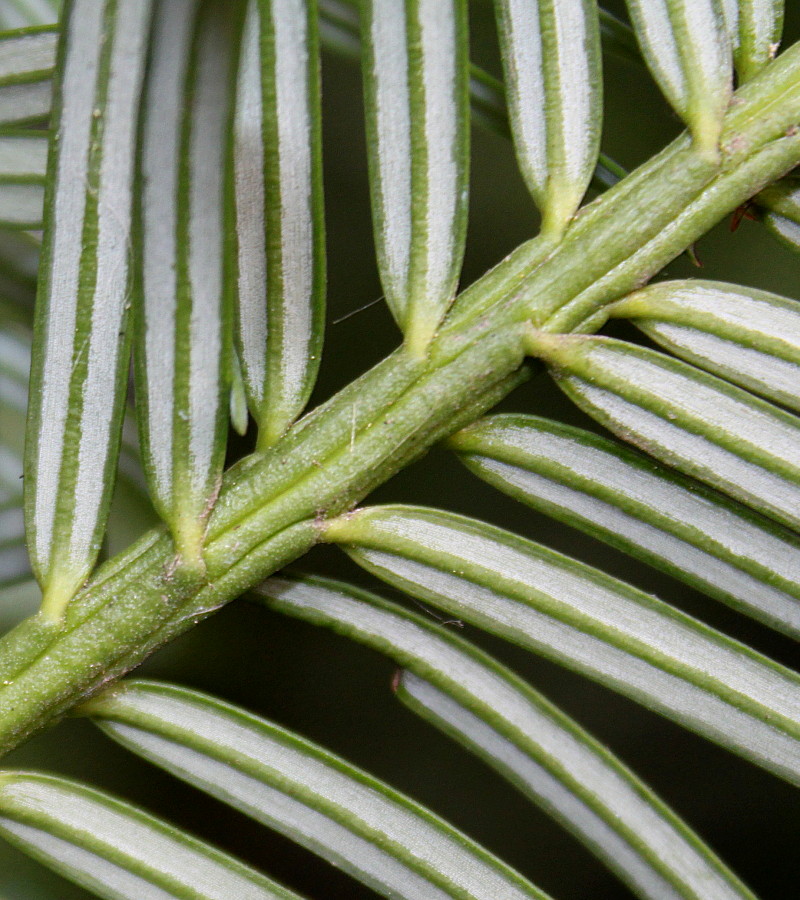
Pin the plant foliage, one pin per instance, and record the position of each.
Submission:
(161, 213)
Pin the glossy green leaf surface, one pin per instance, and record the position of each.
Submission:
(80, 349)
(687, 47)
(115, 850)
(552, 63)
(278, 239)
(643, 508)
(416, 70)
(588, 621)
(183, 327)
(517, 731)
(27, 58)
(361, 825)
(748, 337)
(698, 423)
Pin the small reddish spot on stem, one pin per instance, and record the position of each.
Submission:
(745, 211)
(398, 674)
(691, 252)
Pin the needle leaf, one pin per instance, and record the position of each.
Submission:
(552, 62)
(416, 82)
(80, 347)
(279, 238)
(587, 621)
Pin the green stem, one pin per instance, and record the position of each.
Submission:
(273, 504)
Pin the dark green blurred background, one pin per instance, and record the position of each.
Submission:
(338, 694)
